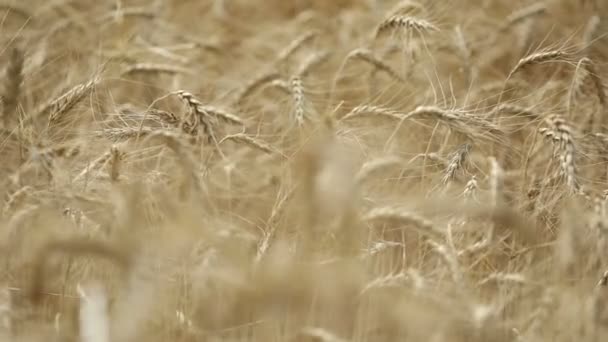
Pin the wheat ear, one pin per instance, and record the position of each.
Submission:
(522, 14)
(368, 57)
(57, 108)
(12, 90)
(405, 22)
(560, 134)
(537, 58)
(297, 92)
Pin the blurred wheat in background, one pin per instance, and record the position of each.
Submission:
(304, 170)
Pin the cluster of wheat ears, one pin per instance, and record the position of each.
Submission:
(311, 170)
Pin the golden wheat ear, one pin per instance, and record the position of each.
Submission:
(57, 109)
(400, 22)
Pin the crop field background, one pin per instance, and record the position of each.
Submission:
(304, 170)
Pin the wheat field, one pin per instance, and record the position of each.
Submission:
(304, 170)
